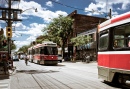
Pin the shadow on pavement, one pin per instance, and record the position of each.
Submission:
(35, 71)
(2, 77)
(117, 85)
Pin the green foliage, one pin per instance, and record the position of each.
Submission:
(80, 40)
(13, 46)
(2, 48)
(60, 29)
(24, 49)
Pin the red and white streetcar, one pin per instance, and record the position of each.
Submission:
(45, 53)
(114, 49)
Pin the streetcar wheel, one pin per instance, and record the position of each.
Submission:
(118, 79)
(121, 79)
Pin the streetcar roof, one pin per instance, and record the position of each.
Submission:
(121, 19)
(45, 44)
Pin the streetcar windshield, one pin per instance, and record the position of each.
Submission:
(49, 50)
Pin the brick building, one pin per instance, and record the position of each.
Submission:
(83, 24)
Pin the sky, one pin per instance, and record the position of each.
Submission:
(32, 24)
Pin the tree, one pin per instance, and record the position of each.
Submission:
(42, 38)
(80, 40)
(59, 30)
(13, 46)
(24, 49)
(5, 47)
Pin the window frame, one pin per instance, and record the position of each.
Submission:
(105, 32)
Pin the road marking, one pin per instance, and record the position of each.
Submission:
(4, 85)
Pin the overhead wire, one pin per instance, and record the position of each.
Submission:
(68, 5)
(92, 11)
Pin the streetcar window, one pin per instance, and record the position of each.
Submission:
(41, 51)
(118, 41)
(45, 51)
(121, 36)
(103, 41)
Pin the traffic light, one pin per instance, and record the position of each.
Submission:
(9, 32)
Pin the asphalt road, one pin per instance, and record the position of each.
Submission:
(65, 75)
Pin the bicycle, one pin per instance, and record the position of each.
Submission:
(26, 61)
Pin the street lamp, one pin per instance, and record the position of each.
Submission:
(29, 9)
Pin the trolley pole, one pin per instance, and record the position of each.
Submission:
(110, 14)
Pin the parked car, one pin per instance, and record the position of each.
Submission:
(22, 56)
(15, 58)
(60, 58)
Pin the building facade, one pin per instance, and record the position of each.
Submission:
(83, 25)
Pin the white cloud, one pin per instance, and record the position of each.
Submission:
(105, 5)
(34, 29)
(49, 3)
(31, 32)
(28, 8)
(95, 9)
(20, 44)
(125, 4)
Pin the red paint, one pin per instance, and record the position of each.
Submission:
(121, 61)
(117, 19)
(37, 57)
(46, 57)
(50, 57)
(120, 18)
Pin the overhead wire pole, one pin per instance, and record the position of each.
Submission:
(110, 14)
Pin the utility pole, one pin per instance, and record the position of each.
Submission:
(9, 23)
(9, 15)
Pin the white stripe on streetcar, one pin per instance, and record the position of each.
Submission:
(115, 52)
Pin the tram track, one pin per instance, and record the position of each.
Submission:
(37, 81)
(58, 77)
(50, 82)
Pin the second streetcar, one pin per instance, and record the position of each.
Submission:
(45, 53)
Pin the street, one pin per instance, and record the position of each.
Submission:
(66, 75)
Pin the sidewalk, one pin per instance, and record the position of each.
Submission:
(5, 80)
